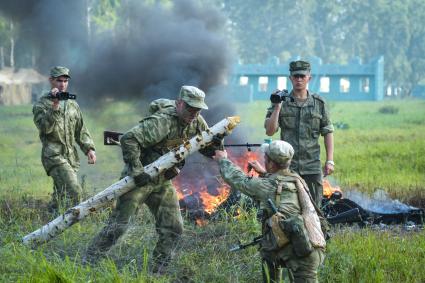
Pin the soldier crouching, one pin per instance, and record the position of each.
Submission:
(169, 125)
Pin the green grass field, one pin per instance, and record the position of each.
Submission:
(375, 150)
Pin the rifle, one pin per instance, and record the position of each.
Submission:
(240, 246)
(113, 138)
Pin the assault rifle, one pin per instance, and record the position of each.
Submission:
(113, 138)
(240, 246)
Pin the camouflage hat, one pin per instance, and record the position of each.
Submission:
(193, 96)
(59, 71)
(299, 67)
(279, 151)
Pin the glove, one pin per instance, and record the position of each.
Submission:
(142, 179)
(217, 140)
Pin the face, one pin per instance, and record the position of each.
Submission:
(61, 83)
(186, 112)
(299, 82)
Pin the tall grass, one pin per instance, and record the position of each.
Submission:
(378, 150)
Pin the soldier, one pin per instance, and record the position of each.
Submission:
(170, 124)
(302, 118)
(301, 254)
(61, 126)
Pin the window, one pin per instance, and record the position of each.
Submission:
(262, 83)
(243, 80)
(344, 85)
(364, 86)
(324, 84)
(282, 83)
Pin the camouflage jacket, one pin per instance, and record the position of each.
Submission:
(262, 189)
(59, 130)
(301, 126)
(154, 136)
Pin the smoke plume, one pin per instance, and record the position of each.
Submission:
(153, 51)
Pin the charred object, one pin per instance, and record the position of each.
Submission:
(339, 210)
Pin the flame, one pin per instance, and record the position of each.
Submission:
(210, 191)
(328, 189)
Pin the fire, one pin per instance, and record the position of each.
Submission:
(201, 189)
(328, 189)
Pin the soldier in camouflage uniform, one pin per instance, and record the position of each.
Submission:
(61, 126)
(302, 118)
(171, 123)
(278, 183)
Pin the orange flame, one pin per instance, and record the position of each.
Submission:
(199, 187)
(328, 189)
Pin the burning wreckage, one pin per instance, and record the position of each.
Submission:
(203, 196)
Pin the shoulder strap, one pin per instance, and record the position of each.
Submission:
(304, 186)
(278, 193)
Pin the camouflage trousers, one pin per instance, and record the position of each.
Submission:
(66, 189)
(300, 270)
(315, 186)
(162, 201)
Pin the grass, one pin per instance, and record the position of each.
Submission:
(379, 149)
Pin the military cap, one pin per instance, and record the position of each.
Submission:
(59, 71)
(279, 151)
(299, 67)
(193, 96)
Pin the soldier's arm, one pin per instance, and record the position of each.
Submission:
(82, 134)
(272, 119)
(149, 132)
(238, 180)
(45, 117)
(326, 130)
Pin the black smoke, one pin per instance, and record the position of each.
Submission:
(152, 52)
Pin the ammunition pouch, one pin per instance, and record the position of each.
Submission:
(297, 233)
(274, 237)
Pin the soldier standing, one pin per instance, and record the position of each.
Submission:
(302, 253)
(171, 123)
(61, 126)
(302, 118)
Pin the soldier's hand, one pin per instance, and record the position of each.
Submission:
(142, 179)
(256, 166)
(91, 156)
(220, 154)
(55, 104)
(328, 169)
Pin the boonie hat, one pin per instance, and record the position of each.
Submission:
(299, 67)
(59, 71)
(193, 96)
(279, 151)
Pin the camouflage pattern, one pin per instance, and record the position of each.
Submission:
(60, 130)
(301, 126)
(59, 71)
(299, 67)
(154, 136)
(193, 96)
(300, 269)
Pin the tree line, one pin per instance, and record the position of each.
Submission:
(334, 30)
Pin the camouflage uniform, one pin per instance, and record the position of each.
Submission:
(300, 269)
(141, 145)
(301, 125)
(59, 130)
